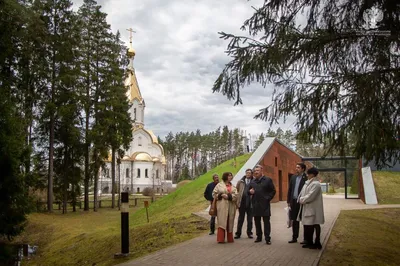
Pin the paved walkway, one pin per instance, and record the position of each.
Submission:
(204, 250)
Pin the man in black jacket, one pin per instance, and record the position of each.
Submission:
(244, 204)
(263, 190)
(295, 186)
(208, 195)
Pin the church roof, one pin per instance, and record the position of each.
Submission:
(153, 137)
(134, 91)
(141, 157)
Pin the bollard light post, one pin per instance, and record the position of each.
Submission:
(124, 226)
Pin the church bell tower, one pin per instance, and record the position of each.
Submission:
(133, 93)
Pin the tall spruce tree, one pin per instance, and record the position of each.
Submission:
(119, 131)
(94, 32)
(336, 72)
(67, 136)
(14, 203)
(57, 17)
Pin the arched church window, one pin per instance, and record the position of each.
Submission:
(157, 174)
(127, 172)
(138, 173)
(138, 190)
(140, 141)
(134, 114)
(146, 172)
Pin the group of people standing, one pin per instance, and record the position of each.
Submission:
(252, 196)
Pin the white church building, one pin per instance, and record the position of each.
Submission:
(144, 162)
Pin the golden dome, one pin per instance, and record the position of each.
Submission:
(153, 137)
(131, 52)
(142, 157)
(156, 160)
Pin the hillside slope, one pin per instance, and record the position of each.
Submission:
(187, 199)
(92, 238)
(387, 186)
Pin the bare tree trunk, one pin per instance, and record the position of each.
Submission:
(87, 173)
(87, 141)
(119, 185)
(65, 196)
(113, 178)
(74, 199)
(96, 181)
(51, 137)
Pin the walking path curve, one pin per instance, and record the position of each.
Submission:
(204, 250)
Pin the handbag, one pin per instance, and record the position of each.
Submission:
(213, 208)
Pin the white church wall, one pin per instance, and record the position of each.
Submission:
(155, 150)
(136, 111)
(142, 113)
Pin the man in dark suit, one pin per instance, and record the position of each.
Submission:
(208, 195)
(263, 190)
(244, 204)
(295, 186)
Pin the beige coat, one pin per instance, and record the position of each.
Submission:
(311, 203)
(225, 207)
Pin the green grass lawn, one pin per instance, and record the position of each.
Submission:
(387, 186)
(364, 237)
(85, 238)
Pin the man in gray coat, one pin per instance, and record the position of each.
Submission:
(263, 191)
(244, 204)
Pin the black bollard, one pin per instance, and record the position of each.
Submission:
(124, 225)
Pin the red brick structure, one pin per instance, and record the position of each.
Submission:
(279, 163)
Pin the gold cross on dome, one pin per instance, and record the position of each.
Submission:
(130, 33)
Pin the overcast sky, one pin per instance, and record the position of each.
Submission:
(178, 57)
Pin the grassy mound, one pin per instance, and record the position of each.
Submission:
(88, 238)
(187, 199)
(182, 183)
(387, 187)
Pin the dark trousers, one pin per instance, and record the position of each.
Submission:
(212, 224)
(294, 212)
(309, 234)
(267, 227)
(242, 212)
(317, 229)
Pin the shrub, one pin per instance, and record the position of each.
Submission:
(148, 191)
(170, 190)
(354, 184)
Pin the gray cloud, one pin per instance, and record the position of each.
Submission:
(178, 57)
